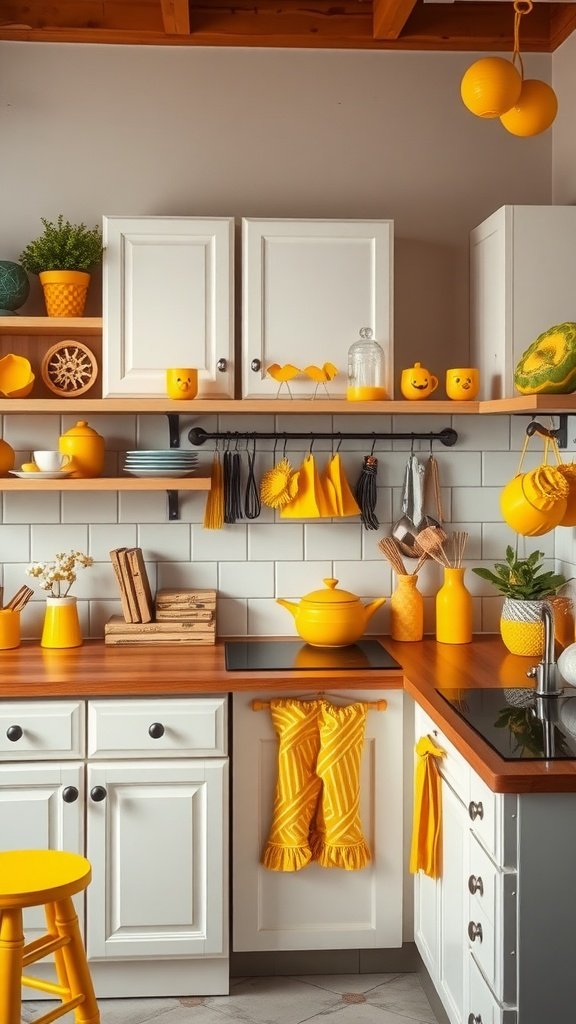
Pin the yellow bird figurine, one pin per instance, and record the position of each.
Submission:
(283, 374)
(321, 374)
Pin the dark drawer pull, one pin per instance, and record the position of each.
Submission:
(475, 884)
(474, 931)
(474, 1019)
(70, 794)
(14, 733)
(97, 794)
(156, 730)
(476, 810)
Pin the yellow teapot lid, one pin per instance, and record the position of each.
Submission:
(81, 429)
(332, 595)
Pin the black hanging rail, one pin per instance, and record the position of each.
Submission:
(197, 436)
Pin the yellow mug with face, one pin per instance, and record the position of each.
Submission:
(181, 383)
(417, 383)
(462, 384)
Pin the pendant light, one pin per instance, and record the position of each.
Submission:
(496, 87)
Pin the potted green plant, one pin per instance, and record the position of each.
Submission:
(63, 256)
(525, 585)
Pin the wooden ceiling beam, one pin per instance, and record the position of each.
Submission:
(390, 17)
(176, 17)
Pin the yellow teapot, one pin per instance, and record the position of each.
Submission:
(331, 618)
(85, 447)
(417, 383)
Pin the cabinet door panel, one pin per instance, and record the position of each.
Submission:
(157, 842)
(309, 286)
(316, 908)
(167, 301)
(453, 903)
(34, 815)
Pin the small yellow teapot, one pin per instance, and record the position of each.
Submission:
(417, 383)
(331, 618)
(86, 447)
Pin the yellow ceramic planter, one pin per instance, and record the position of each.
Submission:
(65, 291)
(61, 625)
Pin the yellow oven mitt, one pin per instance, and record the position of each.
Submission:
(338, 841)
(425, 854)
(298, 786)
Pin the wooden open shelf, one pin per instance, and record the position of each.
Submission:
(103, 483)
(51, 325)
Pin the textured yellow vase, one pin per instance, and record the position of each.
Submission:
(65, 291)
(61, 625)
(522, 628)
(406, 610)
(453, 609)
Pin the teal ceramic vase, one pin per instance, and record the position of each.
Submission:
(14, 287)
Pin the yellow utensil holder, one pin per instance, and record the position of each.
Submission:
(406, 610)
(9, 629)
(61, 624)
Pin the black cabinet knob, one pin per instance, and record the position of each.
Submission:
(475, 884)
(70, 794)
(156, 730)
(97, 794)
(474, 931)
(222, 365)
(474, 1019)
(255, 365)
(14, 733)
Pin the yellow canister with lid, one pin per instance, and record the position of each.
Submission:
(86, 447)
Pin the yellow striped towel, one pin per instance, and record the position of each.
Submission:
(426, 850)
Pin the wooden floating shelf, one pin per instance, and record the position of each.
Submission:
(103, 483)
(51, 325)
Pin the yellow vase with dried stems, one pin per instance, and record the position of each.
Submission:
(63, 256)
(61, 626)
(406, 601)
(525, 585)
(453, 600)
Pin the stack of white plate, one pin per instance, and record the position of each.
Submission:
(172, 462)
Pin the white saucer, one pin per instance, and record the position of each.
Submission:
(40, 475)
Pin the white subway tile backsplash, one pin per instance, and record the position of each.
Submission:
(330, 540)
(100, 612)
(500, 467)
(47, 541)
(97, 581)
(119, 432)
(496, 537)
(296, 579)
(313, 425)
(89, 507)
(187, 574)
(29, 433)
(491, 611)
(31, 507)
(359, 424)
(14, 543)
(232, 616)
(227, 544)
(283, 541)
(165, 541)
(234, 581)
(482, 433)
(476, 504)
(102, 539)
(266, 618)
(366, 579)
(459, 469)
(142, 507)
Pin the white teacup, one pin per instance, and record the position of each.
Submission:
(51, 462)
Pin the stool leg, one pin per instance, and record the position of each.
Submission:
(50, 913)
(11, 946)
(74, 961)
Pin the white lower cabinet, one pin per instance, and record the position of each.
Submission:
(317, 908)
(155, 829)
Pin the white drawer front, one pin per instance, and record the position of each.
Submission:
(453, 767)
(483, 880)
(157, 728)
(493, 946)
(493, 819)
(481, 1007)
(38, 730)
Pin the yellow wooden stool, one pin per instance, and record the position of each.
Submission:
(31, 878)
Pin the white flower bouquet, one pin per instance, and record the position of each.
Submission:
(58, 576)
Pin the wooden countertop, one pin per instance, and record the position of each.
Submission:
(97, 670)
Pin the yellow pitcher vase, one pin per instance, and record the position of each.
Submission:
(61, 625)
(453, 609)
(406, 609)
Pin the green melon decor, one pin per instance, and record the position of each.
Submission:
(548, 366)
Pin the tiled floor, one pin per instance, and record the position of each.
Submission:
(337, 999)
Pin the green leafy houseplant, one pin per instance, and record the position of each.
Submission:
(63, 246)
(523, 578)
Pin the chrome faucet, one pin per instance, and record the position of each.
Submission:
(545, 672)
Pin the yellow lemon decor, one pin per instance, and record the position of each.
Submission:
(16, 377)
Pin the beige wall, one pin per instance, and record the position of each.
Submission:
(99, 130)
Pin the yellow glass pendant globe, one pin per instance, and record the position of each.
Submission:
(490, 86)
(534, 110)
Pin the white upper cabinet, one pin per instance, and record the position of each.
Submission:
(167, 301)
(522, 262)
(309, 286)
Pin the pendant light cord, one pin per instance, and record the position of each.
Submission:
(521, 7)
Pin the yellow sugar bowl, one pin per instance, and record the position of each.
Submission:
(86, 447)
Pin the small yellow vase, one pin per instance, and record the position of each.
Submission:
(406, 610)
(453, 609)
(61, 624)
(9, 629)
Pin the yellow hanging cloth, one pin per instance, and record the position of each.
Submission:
(306, 503)
(338, 841)
(298, 786)
(426, 850)
(346, 504)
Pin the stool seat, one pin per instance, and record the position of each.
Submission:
(29, 878)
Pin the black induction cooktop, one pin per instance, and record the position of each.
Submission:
(275, 655)
(518, 725)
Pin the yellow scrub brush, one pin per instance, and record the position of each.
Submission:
(274, 489)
